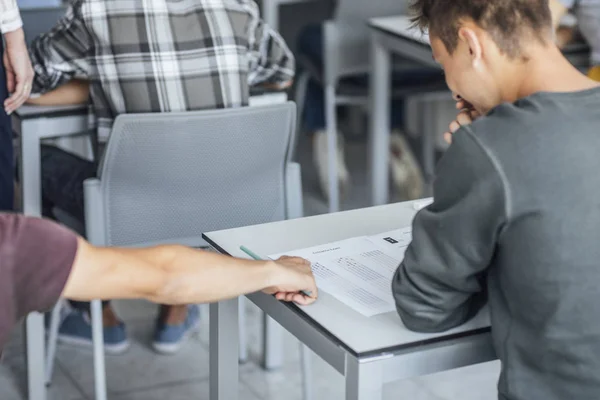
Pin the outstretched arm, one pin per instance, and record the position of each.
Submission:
(180, 275)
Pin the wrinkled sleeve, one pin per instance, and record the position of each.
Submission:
(270, 59)
(62, 54)
(440, 283)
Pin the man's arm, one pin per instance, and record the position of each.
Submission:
(271, 63)
(180, 275)
(440, 283)
(63, 53)
(71, 93)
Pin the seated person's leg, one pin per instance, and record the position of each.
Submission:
(405, 170)
(310, 46)
(174, 324)
(63, 175)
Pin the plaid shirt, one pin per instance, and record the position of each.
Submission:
(161, 55)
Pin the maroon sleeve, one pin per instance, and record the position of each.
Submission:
(36, 257)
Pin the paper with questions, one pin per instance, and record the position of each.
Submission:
(359, 271)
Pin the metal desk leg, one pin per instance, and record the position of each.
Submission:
(272, 344)
(364, 380)
(271, 13)
(380, 121)
(428, 138)
(224, 369)
(30, 175)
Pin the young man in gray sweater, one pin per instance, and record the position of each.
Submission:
(516, 213)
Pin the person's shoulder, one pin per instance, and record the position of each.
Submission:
(13, 226)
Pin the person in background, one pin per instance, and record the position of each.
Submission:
(405, 171)
(16, 75)
(588, 21)
(516, 213)
(136, 57)
(41, 261)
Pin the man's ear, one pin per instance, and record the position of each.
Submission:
(470, 39)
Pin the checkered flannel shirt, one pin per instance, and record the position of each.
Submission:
(161, 55)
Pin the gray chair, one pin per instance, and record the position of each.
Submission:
(168, 177)
(346, 43)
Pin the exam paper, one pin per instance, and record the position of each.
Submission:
(359, 271)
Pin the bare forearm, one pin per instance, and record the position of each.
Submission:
(164, 274)
(71, 93)
(196, 276)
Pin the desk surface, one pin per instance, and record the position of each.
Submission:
(258, 96)
(577, 53)
(400, 25)
(359, 334)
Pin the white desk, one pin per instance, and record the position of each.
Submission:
(34, 124)
(368, 351)
(393, 35)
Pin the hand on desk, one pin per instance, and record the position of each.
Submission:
(466, 115)
(292, 277)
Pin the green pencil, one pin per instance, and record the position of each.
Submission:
(256, 257)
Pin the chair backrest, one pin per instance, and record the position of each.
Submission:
(171, 176)
(346, 40)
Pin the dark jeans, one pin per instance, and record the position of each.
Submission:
(310, 44)
(7, 167)
(63, 174)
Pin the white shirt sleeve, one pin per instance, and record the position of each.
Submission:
(10, 18)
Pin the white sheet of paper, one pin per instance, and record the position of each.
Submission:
(358, 271)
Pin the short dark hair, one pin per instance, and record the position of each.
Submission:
(507, 21)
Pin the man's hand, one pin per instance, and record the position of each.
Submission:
(19, 73)
(466, 115)
(293, 276)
